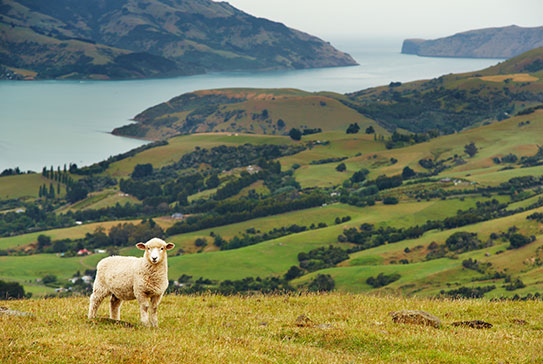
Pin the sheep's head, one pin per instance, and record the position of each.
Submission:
(155, 250)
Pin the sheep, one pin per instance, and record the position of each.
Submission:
(126, 278)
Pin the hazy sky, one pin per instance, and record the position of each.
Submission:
(394, 18)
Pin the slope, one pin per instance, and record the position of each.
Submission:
(151, 38)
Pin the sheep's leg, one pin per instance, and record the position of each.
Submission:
(155, 300)
(115, 308)
(144, 309)
(96, 299)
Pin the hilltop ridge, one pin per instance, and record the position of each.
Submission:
(501, 42)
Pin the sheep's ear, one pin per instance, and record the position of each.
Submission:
(170, 246)
(141, 246)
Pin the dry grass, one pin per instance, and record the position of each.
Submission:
(515, 77)
(262, 329)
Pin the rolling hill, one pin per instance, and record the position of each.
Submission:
(255, 111)
(153, 38)
(447, 104)
(443, 215)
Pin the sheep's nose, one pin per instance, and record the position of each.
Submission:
(154, 259)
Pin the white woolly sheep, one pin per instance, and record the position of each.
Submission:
(126, 278)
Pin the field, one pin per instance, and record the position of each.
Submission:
(439, 180)
(25, 185)
(343, 328)
(274, 257)
(74, 232)
(178, 146)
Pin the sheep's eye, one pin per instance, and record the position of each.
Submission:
(161, 248)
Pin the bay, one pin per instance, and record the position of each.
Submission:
(52, 123)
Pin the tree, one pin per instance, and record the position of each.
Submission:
(49, 278)
(463, 241)
(518, 240)
(353, 128)
(142, 170)
(11, 290)
(360, 175)
(213, 181)
(470, 149)
(390, 200)
(370, 130)
(322, 283)
(295, 134)
(293, 272)
(408, 173)
(219, 241)
(76, 192)
(341, 167)
(280, 124)
(43, 241)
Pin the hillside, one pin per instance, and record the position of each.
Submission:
(499, 184)
(453, 102)
(505, 42)
(350, 206)
(340, 328)
(255, 111)
(445, 105)
(155, 38)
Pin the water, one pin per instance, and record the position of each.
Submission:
(44, 123)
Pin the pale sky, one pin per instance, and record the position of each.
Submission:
(428, 19)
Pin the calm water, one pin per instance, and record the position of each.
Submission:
(46, 123)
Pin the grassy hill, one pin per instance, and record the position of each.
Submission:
(262, 329)
(445, 105)
(255, 111)
(348, 206)
(158, 38)
(275, 257)
(453, 102)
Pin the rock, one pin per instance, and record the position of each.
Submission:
(475, 324)
(415, 317)
(8, 312)
(304, 321)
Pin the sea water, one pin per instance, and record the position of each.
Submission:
(52, 123)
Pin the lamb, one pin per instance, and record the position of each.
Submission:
(126, 278)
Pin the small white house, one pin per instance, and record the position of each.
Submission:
(87, 279)
(178, 216)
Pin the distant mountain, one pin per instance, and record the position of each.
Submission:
(505, 42)
(117, 39)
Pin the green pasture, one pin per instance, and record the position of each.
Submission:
(99, 200)
(276, 256)
(74, 232)
(24, 185)
(178, 146)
